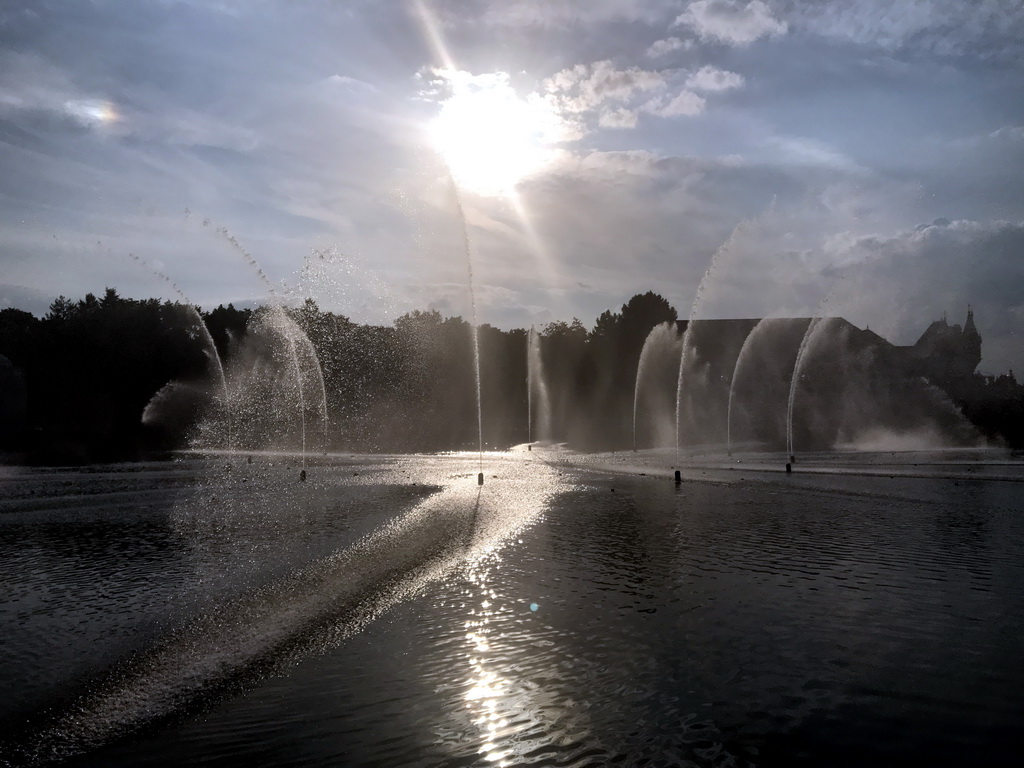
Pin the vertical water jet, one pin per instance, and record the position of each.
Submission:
(536, 389)
(474, 331)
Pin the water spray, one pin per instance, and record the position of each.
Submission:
(212, 352)
(474, 331)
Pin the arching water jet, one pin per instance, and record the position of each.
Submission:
(295, 338)
(211, 347)
(810, 335)
(660, 346)
(687, 344)
(759, 330)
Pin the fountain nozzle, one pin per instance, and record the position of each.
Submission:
(480, 479)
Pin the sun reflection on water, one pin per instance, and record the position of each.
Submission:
(488, 695)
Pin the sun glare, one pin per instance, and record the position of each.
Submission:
(489, 136)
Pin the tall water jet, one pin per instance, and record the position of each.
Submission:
(475, 336)
(211, 347)
(755, 334)
(536, 389)
(814, 329)
(661, 347)
(809, 335)
(295, 338)
(687, 345)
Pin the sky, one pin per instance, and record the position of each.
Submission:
(856, 158)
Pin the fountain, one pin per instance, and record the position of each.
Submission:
(759, 330)
(281, 324)
(474, 331)
(536, 385)
(687, 343)
(660, 351)
(273, 367)
(211, 347)
(810, 335)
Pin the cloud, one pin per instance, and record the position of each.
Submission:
(986, 28)
(618, 118)
(558, 13)
(1006, 137)
(667, 46)
(615, 219)
(709, 78)
(804, 151)
(730, 21)
(620, 94)
(28, 299)
(351, 83)
(31, 86)
(684, 103)
(900, 283)
(584, 87)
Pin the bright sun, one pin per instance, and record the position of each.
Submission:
(489, 137)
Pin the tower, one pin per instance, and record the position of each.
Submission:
(971, 343)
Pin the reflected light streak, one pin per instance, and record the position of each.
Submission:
(488, 695)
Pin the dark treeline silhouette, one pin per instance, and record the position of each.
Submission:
(116, 378)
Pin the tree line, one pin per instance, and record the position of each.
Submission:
(109, 378)
(75, 383)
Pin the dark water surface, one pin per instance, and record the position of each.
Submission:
(185, 614)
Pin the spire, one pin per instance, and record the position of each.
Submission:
(969, 326)
(971, 340)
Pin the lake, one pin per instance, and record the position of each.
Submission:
(574, 610)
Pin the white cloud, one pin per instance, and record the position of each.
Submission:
(683, 103)
(709, 78)
(667, 46)
(618, 118)
(620, 94)
(730, 21)
(584, 87)
(351, 83)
